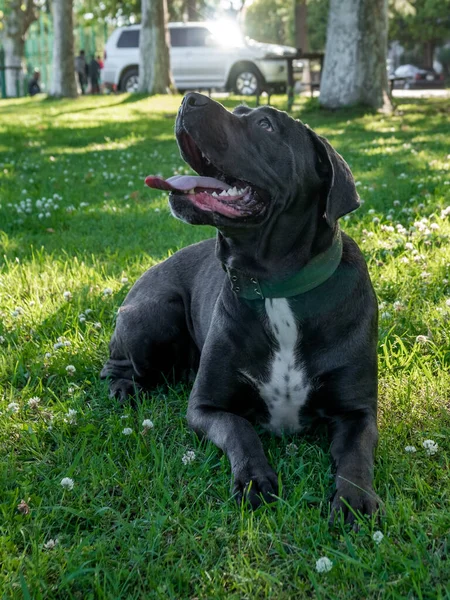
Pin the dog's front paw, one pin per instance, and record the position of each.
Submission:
(255, 484)
(124, 390)
(352, 501)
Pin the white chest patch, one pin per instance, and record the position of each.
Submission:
(287, 388)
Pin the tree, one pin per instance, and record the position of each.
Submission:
(423, 23)
(154, 59)
(273, 21)
(19, 15)
(355, 55)
(63, 83)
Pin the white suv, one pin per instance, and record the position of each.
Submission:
(204, 55)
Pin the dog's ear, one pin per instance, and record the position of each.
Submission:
(242, 109)
(342, 196)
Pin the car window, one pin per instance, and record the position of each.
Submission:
(196, 36)
(129, 39)
(178, 37)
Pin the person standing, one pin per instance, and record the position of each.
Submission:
(82, 70)
(94, 76)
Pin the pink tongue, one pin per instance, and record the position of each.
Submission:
(184, 183)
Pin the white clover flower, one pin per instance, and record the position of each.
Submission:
(323, 565)
(67, 343)
(67, 483)
(58, 345)
(430, 446)
(82, 318)
(50, 544)
(188, 457)
(70, 390)
(434, 226)
(127, 431)
(34, 402)
(377, 537)
(422, 339)
(97, 325)
(147, 424)
(124, 280)
(410, 449)
(70, 369)
(88, 311)
(107, 291)
(386, 315)
(13, 407)
(71, 416)
(2, 339)
(48, 355)
(409, 246)
(124, 416)
(447, 302)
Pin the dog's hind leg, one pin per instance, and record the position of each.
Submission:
(150, 345)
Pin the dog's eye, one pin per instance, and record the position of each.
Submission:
(265, 124)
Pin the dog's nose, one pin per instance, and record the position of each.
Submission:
(194, 100)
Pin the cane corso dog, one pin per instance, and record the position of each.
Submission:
(277, 316)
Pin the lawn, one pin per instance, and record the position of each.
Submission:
(149, 514)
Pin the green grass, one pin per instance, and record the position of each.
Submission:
(138, 522)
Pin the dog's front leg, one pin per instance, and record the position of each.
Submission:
(254, 479)
(354, 438)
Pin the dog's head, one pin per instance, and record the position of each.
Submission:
(252, 165)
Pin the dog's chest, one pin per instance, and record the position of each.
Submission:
(285, 388)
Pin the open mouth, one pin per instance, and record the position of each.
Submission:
(211, 190)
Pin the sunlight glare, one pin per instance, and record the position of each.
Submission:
(226, 33)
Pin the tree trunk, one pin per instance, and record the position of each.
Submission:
(154, 59)
(355, 55)
(63, 82)
(191, 10)
(428, 54)
(301, 26)
(17, 22)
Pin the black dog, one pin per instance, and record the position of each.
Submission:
(278, 316)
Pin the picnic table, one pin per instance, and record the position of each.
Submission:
(290, 72)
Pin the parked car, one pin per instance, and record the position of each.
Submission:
(413, 77)
(204, 55)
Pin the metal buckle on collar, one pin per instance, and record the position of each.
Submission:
(249, 286)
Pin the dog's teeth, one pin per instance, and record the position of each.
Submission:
(223, 193)
(214, 194)
(191, 191)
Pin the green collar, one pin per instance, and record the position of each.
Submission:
(313, 274)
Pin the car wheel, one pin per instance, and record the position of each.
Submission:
(246, 82)
(130, 81)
